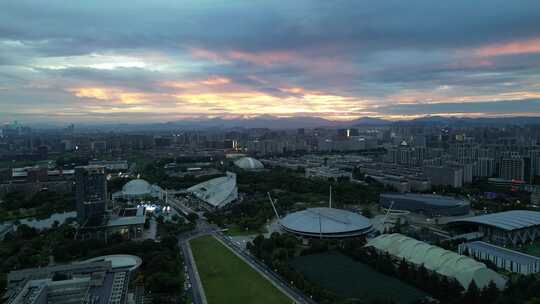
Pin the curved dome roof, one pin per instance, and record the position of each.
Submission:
(445, 262)
(137, 187)
(248, 163)
(329, 222)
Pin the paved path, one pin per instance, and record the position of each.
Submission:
(296, 295)
(204, 228)
(196, 285)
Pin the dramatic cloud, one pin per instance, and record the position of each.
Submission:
(100, 60)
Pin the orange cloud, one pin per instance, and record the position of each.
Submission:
(109, 94)
(510, 48)
(215, 101)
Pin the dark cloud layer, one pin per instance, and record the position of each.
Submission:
(337, 59)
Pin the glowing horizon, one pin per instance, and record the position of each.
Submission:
(204, 61)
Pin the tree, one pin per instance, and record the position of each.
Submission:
(533, 301)
(490, 293)
(367, 212)
(472, 295)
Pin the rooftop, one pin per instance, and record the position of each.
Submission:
(119, 261)
(428, 198)
(137, 187)
(248, 163)
(325, 220)
(217, 191)
(507, 220)
(505, 253)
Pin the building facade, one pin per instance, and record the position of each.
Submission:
(90, 192)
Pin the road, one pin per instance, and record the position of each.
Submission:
(204, 228)
(196, 289)
(297, 295)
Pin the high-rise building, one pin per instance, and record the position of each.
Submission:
(512, 168)
(534, 155)
(445, 176)
(90, 193)
(484, 167)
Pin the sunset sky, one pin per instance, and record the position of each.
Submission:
(151, 61)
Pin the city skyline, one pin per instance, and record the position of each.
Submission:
(139, 62)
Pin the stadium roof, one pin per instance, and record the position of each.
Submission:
(325, 221)
(507, 220)
(432, 199)
(444, 262)
(248, 163)
(137, 187)
(217, 192)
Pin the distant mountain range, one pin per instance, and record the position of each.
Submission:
(314, 122)
(272, 122)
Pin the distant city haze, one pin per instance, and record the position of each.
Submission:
(165, 61)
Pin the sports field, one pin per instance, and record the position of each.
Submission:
(351, 279)
(227, 279)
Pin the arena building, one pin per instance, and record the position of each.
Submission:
(249, 164)
(427, 204)
(326, 222)
(444, 262)
(217, 192)
(139, 189)
(504, 228)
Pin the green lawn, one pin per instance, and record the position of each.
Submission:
(227, 279)
(351, 279)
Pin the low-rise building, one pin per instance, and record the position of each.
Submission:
(427, 204)
(113, 165)
(99, 280)
(504, 258)
(327, 173)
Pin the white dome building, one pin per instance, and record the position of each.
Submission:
(248, 163)
(139, 189)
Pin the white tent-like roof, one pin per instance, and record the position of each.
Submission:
(216, 192)
(448, 263)
(248, 163)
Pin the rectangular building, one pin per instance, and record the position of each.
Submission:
(445, 176)
(504, 258)
(512, 168)
(90, 192)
